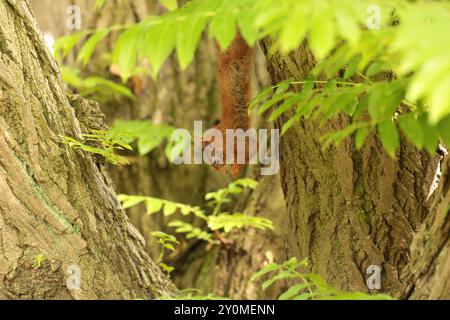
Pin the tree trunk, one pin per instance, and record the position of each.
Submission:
(58, 212)
(348, 209)
(427, 276)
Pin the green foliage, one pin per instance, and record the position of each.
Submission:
(63, 45)
(221, 196)
(337, 35)
(382, 100)
(86, 51)
(214, 221)
(190, 231)
(155, 205)
(147, 134)
(170, 4)
(229, 222)
(167, 242)
(389, 136)
(106, 144)
(92, 87)
(120, 136)
(307, 286)
(39, 260)
(126, 51)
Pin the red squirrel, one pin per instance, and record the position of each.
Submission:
(235, 66)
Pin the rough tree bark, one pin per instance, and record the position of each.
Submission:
(349, 209)
(57, 207)
(427, 276)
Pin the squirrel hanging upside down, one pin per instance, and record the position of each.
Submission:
(235, 66)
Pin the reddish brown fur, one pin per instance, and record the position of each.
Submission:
(235, 66)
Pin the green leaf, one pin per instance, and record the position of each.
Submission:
(289, 124)
(263, 95)
(223, 28)
(444, 130)
(412, 128)
(295, 28)
(247, 26)
(223, 25)
(360, 137)
(190, 231)
(322, 34)
(93, 85)
(166, 267)
(269, 268)
(351, 69)
(375, 68)
(304, 296)
(384, 100)
(293, 100)
(189, 34)
(347, 25)
(63, 45)
(126, 51)
(293, 291)
(276, 98)
(344, 100)
(169, 208)
(130, 201)
(159, 42)
(362, 106)
(247, 183)
(170, 4)
(440, 101)
(170, 247)
(148, 135)
(229, 222)
(338, 136)
(389, 136)
(88, 48)
(280, 276)
(153, 205)
(293, 263)
(430, 134)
